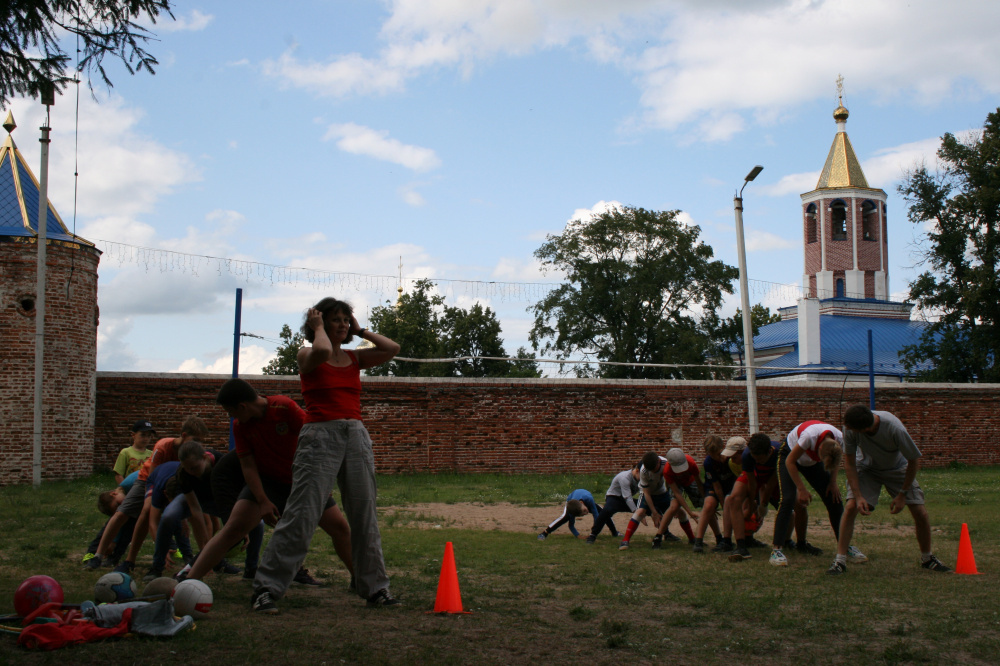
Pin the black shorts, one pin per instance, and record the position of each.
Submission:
(227, 482)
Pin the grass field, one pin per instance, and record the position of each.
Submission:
(560, 601)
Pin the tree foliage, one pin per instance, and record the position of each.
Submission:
(635, 283)
(729, 332)
(959, 206)
(32, 57)
(286, 362)
(425, 327)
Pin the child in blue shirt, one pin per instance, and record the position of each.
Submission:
(578, 503)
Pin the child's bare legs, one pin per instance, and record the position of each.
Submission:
(245, 516)
(141, 530)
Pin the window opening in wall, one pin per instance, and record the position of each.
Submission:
(838, 217)
(811, 235)
(840, 288)
(869, 221)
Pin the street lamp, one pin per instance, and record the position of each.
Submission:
(745, 304)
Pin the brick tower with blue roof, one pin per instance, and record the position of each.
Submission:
(71, 314)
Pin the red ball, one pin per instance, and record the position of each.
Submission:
(36, 591)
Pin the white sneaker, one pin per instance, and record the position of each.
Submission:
(855, 555)
(778, 559)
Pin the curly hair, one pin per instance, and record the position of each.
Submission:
(326, 306)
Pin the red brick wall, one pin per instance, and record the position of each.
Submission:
(70, 360)
(542, 426)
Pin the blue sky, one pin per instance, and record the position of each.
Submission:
(455, 134)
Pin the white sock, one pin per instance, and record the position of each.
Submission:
(925, 557)
(841, 558)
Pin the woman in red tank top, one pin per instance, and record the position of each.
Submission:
(333, 449)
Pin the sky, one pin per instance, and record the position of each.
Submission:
(317, 146)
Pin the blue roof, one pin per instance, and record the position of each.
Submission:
(844, 344)
(19, 200)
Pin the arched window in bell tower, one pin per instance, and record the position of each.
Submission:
(869, 221)
(811, 228)
(838, 218)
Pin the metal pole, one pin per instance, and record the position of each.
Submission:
(747, 326)
(236, 355)
(871, 372)
(43, 210)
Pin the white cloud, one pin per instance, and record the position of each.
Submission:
(123, 172)
(252, 359)
(361, 140)
(411, 196)
(795, 183)
(710, 67)
(599, 208)
(195, 21)
(763, 241)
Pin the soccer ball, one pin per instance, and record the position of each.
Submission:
(36, 591)
(114, 587)
(192, 597)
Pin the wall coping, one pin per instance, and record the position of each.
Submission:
(546, 381)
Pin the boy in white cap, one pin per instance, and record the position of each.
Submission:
(682, 477)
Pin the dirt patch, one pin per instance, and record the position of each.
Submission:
(504, 516)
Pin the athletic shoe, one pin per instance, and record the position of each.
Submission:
(382, 598)
(808, 548)
(739, 554)
(224, 567)
(542, 536)
(724, 546)
(837, 568)
(249, 573)
(262, 603)
(178, 556)
(657, 542)
(591, 539)
(623, 545)
(934, 564)
(855, 555)
(752, 542)
(93, 562)
(698, 547)
(125, 567)
(302, 577)
(154, 572)
(667, 536)
(88, 557)
(778, 559)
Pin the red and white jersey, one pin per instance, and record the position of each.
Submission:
(807, 437)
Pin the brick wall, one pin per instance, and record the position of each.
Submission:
(542, 426)
(70, 359)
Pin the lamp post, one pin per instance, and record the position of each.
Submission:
(745, 305)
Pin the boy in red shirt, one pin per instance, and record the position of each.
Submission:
(681, 476)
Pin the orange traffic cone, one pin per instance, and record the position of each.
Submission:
(449, 598)
(966, 560)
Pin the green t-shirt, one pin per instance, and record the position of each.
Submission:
(130, 459)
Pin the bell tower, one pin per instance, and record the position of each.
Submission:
(844, 226)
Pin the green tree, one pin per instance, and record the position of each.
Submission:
(32, 57)
(634, 280)
(425, 327)
(960, 208)
(412, 322)
(286, 362)
(729, 334)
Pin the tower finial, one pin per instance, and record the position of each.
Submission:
(399, 289)
(840, 114)
(8, 122)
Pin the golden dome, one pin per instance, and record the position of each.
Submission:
(840, 114)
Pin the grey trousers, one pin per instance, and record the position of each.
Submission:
(330, 452)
